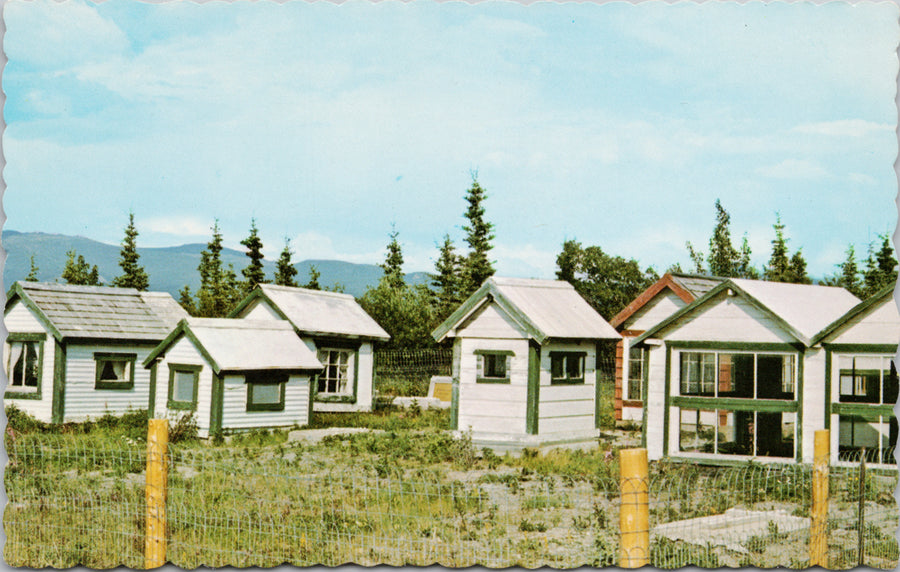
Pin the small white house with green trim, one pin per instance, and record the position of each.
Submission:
(73, 352)
(336, 328)
(739, 373)
(233, 375)
(524, 364)
(861, 380)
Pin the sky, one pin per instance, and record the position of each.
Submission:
(616, 125)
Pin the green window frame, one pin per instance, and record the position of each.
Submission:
(567, 368)
(259, 390)
(493, 366)
(24, 365)
(114, 371)
(175, 373)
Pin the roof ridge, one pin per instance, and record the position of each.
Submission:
(54, 286)
(309, 291)
(240, 323)
(531, 282)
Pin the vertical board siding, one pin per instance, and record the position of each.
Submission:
(654, 401)
(655, 311)
(729, 319)
(19, 319)
(490, 322)
(234, 405)
(881, 326)
(493, 408)
(41, 409)
(83, 402)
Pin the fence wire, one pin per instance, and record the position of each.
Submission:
(76, 502)
(408, 372)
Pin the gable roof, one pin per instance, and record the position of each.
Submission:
(242, 345)
(316, 313)
(802, 309)
(543, 308)
(98, 312)
(687, 287)
(860, 310)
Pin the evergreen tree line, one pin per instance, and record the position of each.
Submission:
(409, 313)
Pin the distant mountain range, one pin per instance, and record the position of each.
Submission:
(169, 268)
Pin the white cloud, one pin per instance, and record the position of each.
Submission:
(179, 225)
(794, 169)
(844, 128)
(861, 179)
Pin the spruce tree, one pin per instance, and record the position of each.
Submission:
(219, 288)
(477, 267)
(393, 262)
(778, 269)
(33, 272)
(881, 267)
(696, 257)
(745, 267)
(446, 278)
(314, 275)
(723, 258)
(79, 272)
(133, 274)
(849, 277)
(797, 269)
(284, 268)
(254, 273)
(187, 300)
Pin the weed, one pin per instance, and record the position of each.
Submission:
(526, 525)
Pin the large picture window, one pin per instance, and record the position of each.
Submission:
(23, 365)
(877, 436)
(265, 390)
(114, 371)
(337, 378)
(737, 432)
(635, 373)
(738, 374)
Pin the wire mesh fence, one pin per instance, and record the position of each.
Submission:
(80, 502)
(408, 372)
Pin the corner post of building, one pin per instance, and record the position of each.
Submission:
(634, 509)
(818, 536)
(157, 479)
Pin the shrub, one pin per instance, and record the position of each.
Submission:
(184, 428)
(21, 422)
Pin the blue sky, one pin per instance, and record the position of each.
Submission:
(618, 125)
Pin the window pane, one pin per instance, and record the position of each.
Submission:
(698, 371)
(890, 383)
(183, 389)
(114, 370)
(266, 393)
(735, 375)
(557, 367)
(698, 431)
(775, 376)
(573, 367)
(734, 432)
(635, 372)
(31, 364)
(775, 434)
(494, 366)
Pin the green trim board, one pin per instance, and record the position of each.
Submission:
(890, 349)
(101, 358)
(336, 343)
(860, 309)
(532, 403)
(735, 404)
(38, 392)
(864, 410)
(645, 384)
(251, 297)
(216, 405)
(182, 328)
(58, 406)
(183, 368)
(18, 293)
(151, 409)
(486, 294)
(508, 353)
(798, 430)
(454, 404)
(313, 382)
(494, 380)
(356, 374)
(26, 337)
(736, 346)
(827, 389)
(666, 400)
(597, 382)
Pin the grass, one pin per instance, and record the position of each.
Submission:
(387, 419)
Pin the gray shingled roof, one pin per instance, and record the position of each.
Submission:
(98, 312)
(696, 285)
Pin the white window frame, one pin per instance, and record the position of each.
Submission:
(345, 386)
(17, 385)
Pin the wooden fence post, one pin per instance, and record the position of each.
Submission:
(157, 477)
(634, 509)
(818, 534)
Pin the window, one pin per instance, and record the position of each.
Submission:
(23, 365)
(867, 379)
(738, 374)
(635, 372)
(876, 435)
(183, 381)
(567, 367)
(265, 390)
(737, 432)
(493, 366)
(338, 373)
(114, 371)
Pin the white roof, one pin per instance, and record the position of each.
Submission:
(323, 313)
(237, 345)
(165, 307)
(805, 307)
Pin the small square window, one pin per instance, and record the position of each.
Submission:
(493, 366)
(567, 367)
(114, 371)
(265, 391)
(183, 381)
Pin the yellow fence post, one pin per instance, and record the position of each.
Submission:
(818, 534)
(155, 534)
(634, 509)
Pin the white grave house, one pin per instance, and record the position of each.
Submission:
(232, 375)
(861, 380)
(336, 328)
(524, 364)
(738, 375)
(74, 352)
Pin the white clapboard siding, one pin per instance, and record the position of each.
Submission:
(184, 352)
(813, 405)
(590, 360)
(566, 409)
(20, 320)
(234, 405)
(881, 326)
(663, 305)
(729, 319)
(490, 322)
(492, 408)
(83, 402)
(259, 310)
(41, 409)
(655, 401)
(468, 366)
